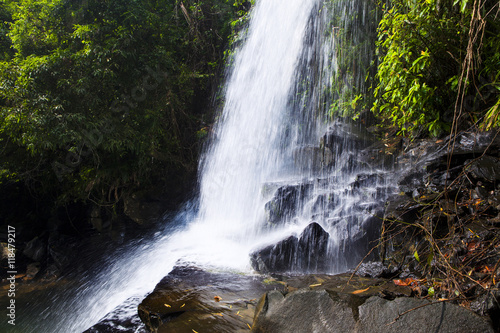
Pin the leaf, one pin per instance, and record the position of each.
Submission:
(167, 305)
(430, 291)
(429, 258)
(405, 282)
(463, 5)
(360, 291)
(416, 256)
(473, 245)
(315, 285)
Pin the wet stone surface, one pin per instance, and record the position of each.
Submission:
(190, 299)
(305, 253)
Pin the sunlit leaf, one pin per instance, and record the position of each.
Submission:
(360, 291)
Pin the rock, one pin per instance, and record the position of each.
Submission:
(62, 250)
(96, 218)
(286, 202)
(375, 269)
(280, 257)
(325, 310)
(343, 136)
(303, 311)
(411, 181)
(311, 158)
(144, 208)
(32, 270)
(312, 249)
(402, 208)
(36, 249)
(190, 299)
(324, 203)
(380, 315)
(477, 142)
(488, 304)
(306, 253)
(486, 168)
(122, 319)
(4, 250)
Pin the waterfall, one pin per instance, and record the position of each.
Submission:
(249, 141)
(272, 136)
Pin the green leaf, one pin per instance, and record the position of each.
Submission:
(415, 254)
(429, 258)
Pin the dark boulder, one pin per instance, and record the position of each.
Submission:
(36, 249)
(375, 269)
(312, 249)
(308, 252)
(286, 202)
(486, 169)
(280, 257)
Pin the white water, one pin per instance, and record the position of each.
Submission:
(248, 148)
(268, 116)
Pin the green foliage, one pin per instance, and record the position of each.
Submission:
(5, 20)
(423, 47)
(104, 96)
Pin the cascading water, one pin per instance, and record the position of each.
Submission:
(266, 142)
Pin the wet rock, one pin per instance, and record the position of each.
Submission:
(61, 250)
(343, 136)
(486, 168)
(312, 158)
(488, 304)
(32, 270)
(312, 249)
(477, 142)
(123, 319)
(367, 180)
(95, 218)
(286, 202)
(190, 299)
(411, 181)
(306, 253)
(280, 257)
(402, 208)
(375, 269)
(323, 203)
(36, 249)
(143, 209)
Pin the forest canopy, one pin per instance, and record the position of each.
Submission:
(98, 97)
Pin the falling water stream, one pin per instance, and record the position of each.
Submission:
(268, 134)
